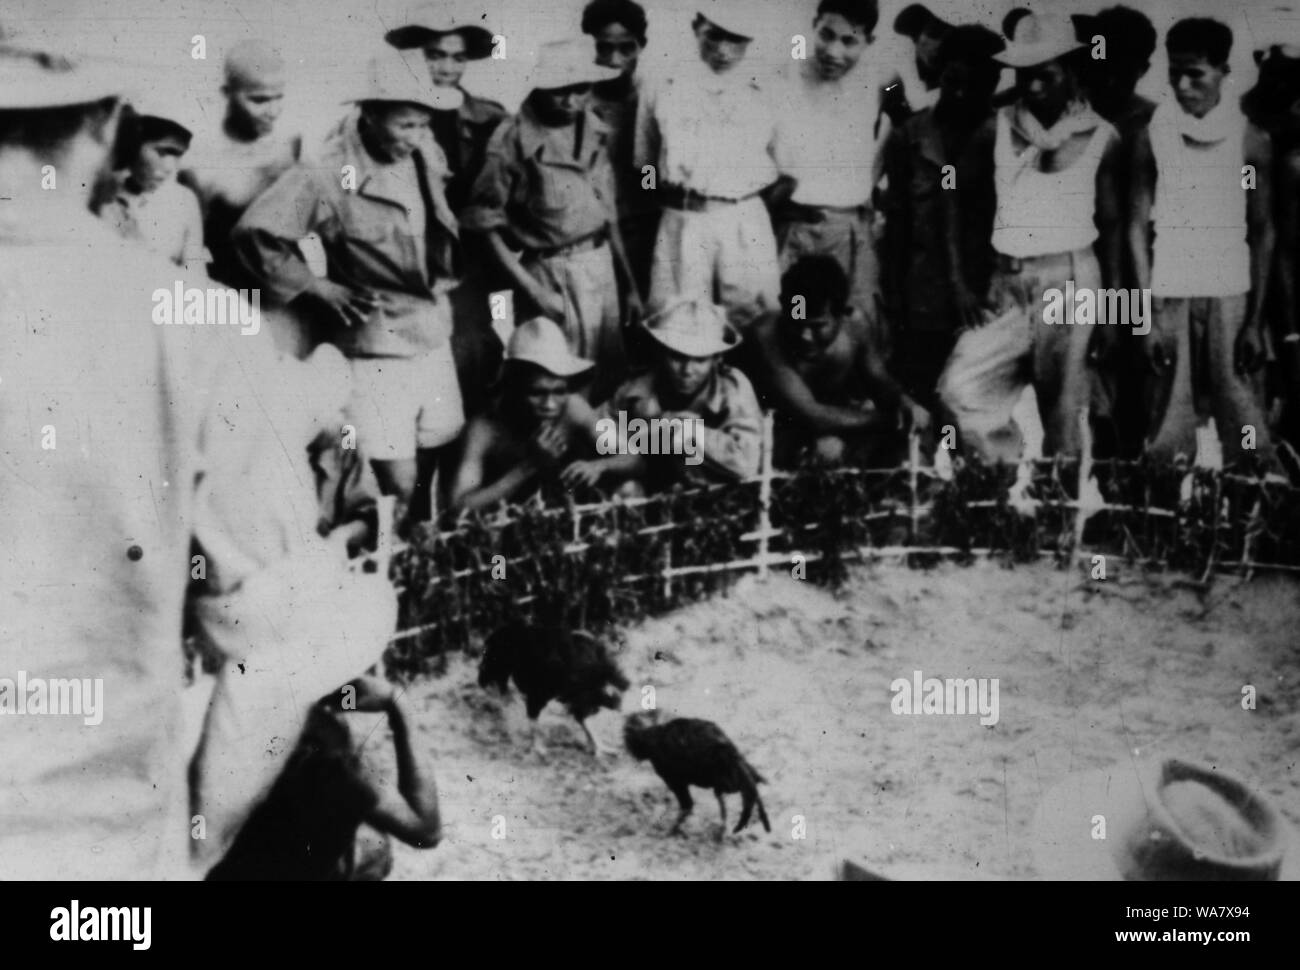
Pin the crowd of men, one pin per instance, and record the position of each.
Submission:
(459, 299)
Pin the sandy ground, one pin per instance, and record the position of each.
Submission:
(799, 678)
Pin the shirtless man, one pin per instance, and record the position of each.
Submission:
(816, 367)
(331, 812)
(537, 427)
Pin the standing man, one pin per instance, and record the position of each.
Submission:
(237, 160)
(938, 233)
(393, 249)
(618, 28)
(826, 143)
(105, 420)
(1054, 162)
(1212, 252)
(545, 202)
(916, 86)
(462, 126)
(709, 132)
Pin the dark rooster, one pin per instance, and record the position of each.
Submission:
(686, 752)
(551, 663)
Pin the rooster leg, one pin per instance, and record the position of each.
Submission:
(597, 749)
(539, 748)
(722, 807)
(684, 800)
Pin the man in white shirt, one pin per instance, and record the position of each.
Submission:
(827, 143)
(708, 131)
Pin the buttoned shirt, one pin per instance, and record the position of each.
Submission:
(733, 420)
(826, 136)
(535, 190)
(712, 133)
(373, 238)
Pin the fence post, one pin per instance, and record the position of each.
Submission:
(765, 493)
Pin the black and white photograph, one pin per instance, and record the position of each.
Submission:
(650, 440)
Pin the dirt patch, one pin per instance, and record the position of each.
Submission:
(800, 679)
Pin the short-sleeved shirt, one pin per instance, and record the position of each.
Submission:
(711, 133)
(375, 234)
(533, 188)
(733, 421)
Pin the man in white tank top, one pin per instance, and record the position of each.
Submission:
(1193, 185)
(1055, 162)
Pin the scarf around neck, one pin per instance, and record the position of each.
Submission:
(1078, 118)
(1224, 120)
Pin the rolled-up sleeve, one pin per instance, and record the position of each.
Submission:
(492, 189)
(735, 447)
(266, 236)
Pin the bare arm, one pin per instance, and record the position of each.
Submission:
(1110, 221)
(1259, 221)
(1142, 190)
(469, 493)
(794, 397)
(411, 814)
(1288, 239)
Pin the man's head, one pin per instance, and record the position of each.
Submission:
(561, 106)
(842, 31)
(1198, 49)
(539, 371)
(815, 298)
(537, 395)
(717, 33)
(254, 88)
(393, 130)
(151, 148)
(690, 338)
(927, 32)
(447, 56)
(1130, 42)
(1044, 50)
(619, 30)
(968, 75)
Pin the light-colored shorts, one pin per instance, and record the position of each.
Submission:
(401, 404)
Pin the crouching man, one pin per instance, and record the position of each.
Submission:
(536, 426)
(691, 419)
(817, 367)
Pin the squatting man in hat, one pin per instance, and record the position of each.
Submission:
(688, 386)
(546, 202)
(393, 250)
(536, 428)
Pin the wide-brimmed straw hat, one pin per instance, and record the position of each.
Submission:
(33, 79)
(432, 20)
(1039, 38)
(566, 63)
(541, 342)
(693, 328)
(390, 76)
(1164, 819)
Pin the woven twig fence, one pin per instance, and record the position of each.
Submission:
(602, 564)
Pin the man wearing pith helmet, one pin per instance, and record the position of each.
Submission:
(546, 203)
(106, 419)
(536, 428)
(709, 131)
(688, 382)
(393, 249)
(451, 36)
